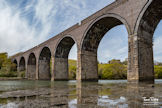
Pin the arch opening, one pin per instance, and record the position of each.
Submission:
(90, 44)
(15, 62)
(112, 54)
(61, 70)
(44, 64)
(147, 26)
(97, 31)
(31, 70)
(22, 64)
(22, 67)
(72, 63)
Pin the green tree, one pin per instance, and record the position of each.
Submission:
(3, 57)
(112, 71)
(158, 72)
(72, 72)
(7, 68)
(72, 69)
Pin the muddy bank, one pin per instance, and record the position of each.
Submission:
(11, 78)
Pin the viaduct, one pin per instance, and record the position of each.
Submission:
(140, 18)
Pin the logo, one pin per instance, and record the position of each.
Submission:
(150, 101)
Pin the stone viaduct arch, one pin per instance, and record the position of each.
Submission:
(61, 57)
(31, 66)
(22, 64)
(91, 40)
(44, 64)
(147, 22)
(140, 17)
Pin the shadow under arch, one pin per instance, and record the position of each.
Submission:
(22, 64)
(146, 25)
(90, 42)
(16, 64)
(44, 64)
(61, 57)
(31, 70)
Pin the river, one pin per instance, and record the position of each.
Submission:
(72, 94)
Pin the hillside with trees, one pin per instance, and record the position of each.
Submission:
(114, 69)
(7, 68)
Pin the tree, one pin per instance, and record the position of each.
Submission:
(3, 58)
(112, 71)
(72, 72)
(7, 68)
(72, 69)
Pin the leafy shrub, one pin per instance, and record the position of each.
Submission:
(158, 72)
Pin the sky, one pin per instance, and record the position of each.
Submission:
(27, 23)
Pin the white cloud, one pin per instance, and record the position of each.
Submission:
(15, 32)
(22, 27)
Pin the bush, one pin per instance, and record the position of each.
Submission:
(8, 74)
(22, 74)
(112, 71)
(158, 72)
(72, 72)
(72, 69)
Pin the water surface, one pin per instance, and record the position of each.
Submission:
(72, 94)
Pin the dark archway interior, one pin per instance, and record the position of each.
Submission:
(61, 71)
(147, 26)
(45, 54)
(97, 31)
(22, 64)
(90, 45)
(15, 62)
(150, 19)
(32, 59)
(64, 47)
(31, 66)
(44, 64)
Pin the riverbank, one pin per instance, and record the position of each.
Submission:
(11, 78)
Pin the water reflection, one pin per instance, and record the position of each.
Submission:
(59, 94)
(87, 95)
(136, 93)
(107, 94)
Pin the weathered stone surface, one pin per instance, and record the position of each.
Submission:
(140, 17)
(44, 70)
(44, 64)
(61, 69)
(31, 67)
(89, 66)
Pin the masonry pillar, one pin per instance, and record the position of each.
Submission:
(44, 69)
(60, 68)
(37, 69)
(140, 60)
(31, 69)
(21, 69)
(26, 70)
(52, 68)
(146, 61)
(87, 66)
(133, 67)
(18, 70)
